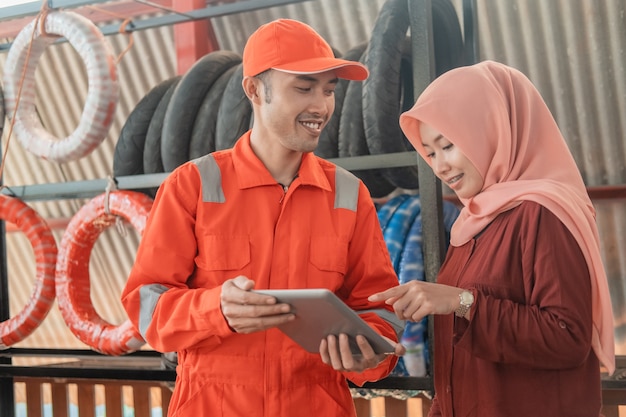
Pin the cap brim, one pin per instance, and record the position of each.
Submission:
(349, 70)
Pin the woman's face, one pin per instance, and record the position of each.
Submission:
(449, 164)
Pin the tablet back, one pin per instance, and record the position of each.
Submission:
(319, 313)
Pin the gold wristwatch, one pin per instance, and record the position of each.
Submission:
(467, 299)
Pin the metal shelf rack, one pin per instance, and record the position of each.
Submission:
(170, 18)
(429, 185)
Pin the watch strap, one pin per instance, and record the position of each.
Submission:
(464, 306)
(462, 310)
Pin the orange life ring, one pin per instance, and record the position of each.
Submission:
(102, 92)
(44, 246)
(72, 271)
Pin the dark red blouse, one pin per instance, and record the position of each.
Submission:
(526, 351)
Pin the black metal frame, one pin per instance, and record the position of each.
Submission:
(141, 373)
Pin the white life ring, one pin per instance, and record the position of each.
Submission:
(44, 246)
(102, 94)
(72, 271)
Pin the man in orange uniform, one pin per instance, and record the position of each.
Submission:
(267, 213)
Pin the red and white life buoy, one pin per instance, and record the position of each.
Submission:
(102, 94)
(44, 246)
(72, 271)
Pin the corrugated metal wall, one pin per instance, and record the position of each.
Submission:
(573, 50)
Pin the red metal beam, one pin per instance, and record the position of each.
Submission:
(98, 13)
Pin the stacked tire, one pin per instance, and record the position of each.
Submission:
(205, 109)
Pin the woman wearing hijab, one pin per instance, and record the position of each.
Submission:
(523, 318)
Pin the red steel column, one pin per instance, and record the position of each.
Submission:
(194, 39)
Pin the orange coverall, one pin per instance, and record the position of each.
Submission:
(223, 215)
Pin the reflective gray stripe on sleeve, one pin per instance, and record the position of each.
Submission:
(211, 177)
(389, 317)
(148, 297)
(346, 189)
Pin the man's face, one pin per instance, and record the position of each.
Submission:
(295, 108)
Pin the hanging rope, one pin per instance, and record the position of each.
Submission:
(123, 29)
(40, 19)
(111, 187)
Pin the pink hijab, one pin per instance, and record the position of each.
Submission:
(498, 119)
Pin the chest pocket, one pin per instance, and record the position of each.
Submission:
(329, 254)
(223, 253)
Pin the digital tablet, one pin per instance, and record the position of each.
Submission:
(319, 313)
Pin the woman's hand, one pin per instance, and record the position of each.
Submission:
(416, 299)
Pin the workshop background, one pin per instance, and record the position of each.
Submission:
(574, 51)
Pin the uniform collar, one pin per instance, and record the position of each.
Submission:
(251, 172)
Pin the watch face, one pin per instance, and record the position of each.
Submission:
(467, 298)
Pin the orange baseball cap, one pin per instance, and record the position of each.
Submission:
(295, 47)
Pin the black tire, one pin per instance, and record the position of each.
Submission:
(235, 113)
(328, 146)
(447, 37)
(183, 107)
(381, 91)
(386, 93)
(407, 96)
(203, 133)
(152, 162)
(128, 155)
(352, 140)
(130, 147)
